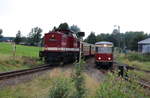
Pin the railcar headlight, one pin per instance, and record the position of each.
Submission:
(99, 58)
(109, 58)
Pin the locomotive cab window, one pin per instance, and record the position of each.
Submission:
(52, 38)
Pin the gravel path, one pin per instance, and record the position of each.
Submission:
(91, 70)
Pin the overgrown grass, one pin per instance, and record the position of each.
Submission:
(135, 60)
(117, 87)
(62, 88)
(79, 80)
(133, 56)
(25, 57)
(58, 84)
(143, 65)
(8, 63)
(61, 84)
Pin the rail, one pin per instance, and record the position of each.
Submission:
(6, 75)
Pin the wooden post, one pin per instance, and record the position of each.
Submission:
(14, 50)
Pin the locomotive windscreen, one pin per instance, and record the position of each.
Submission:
(104, 49)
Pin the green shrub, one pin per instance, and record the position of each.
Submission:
(61, 88)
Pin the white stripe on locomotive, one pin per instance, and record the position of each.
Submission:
(61, 49)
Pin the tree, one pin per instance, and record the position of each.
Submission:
(54, 29)
(24, 40)
(132, 39)
(75, 28)
(1, 31)
(116, 36)
(103, 37)
(91, 38)
(63, 26)
(17, 40)
(34, 36)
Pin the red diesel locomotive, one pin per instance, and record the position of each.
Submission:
(104, 54)
(62, 46)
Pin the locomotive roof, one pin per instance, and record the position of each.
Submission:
(103, 42)
(62, 31)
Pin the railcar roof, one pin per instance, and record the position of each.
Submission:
(103, 42)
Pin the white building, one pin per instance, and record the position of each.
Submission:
(144, 46)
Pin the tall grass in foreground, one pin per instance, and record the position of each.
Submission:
(79, 80)
(61, 88)
(58, 84)
(117, 87)
(112, 87)
(73, 87)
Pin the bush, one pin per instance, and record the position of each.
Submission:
(114, 87)
(61, 88)
(69, 87)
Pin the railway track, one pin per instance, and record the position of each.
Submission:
(124, 68)
(11, 74)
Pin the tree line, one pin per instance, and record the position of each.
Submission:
(127, 40)
(34, 38)
(1, 31)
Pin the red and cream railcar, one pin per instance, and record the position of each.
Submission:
(104, 54)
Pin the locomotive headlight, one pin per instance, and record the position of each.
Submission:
(99, 58)
(109, 58)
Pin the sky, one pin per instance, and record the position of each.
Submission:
(98, 16)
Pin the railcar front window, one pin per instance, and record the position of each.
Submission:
(104, 49)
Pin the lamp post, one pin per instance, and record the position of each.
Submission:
(80, 55)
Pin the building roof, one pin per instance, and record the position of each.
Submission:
(146, 41)
(6, 39)
(103, 42)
